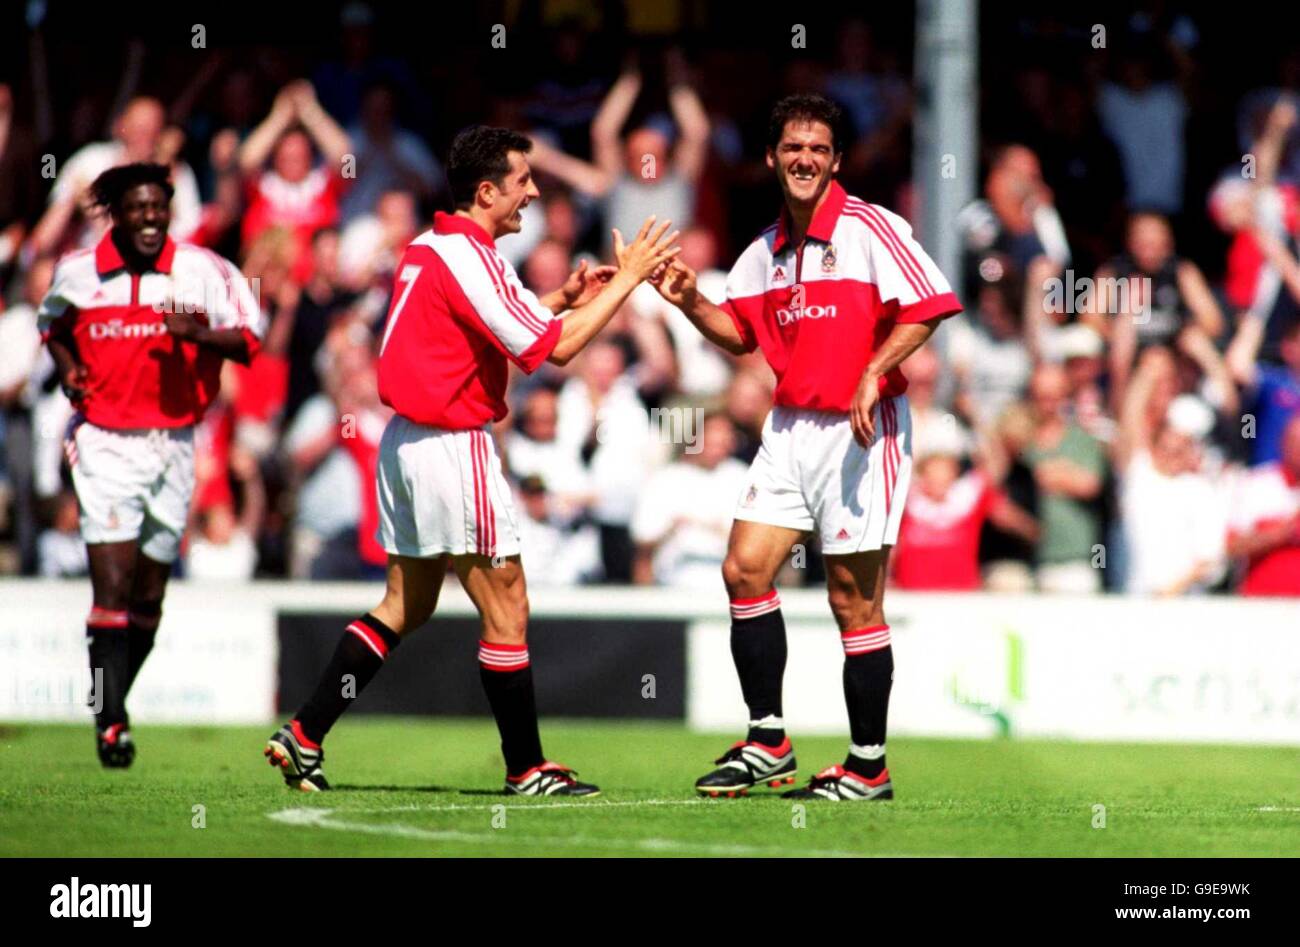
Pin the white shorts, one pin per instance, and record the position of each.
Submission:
(132, 484)
(442, 492)
(810, 474)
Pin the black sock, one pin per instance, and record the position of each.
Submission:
(361, 652)
(759, 650)
(507, 679)
(141, 629)
(868, 678)
(106, 635)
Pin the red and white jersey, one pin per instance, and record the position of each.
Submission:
(459, 316)
(1266, 497)
(820, 309)
(140, 375)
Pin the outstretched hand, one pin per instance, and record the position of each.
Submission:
(584, 283)
(676, 283)
(649, 251)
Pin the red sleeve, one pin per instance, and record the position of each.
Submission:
(941, 304)
(744, 313)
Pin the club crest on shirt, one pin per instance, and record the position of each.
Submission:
(778, 275)
(751, 496)
(828, 259)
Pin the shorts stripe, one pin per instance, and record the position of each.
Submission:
(888, 424)
(487, 536)
(478, 494)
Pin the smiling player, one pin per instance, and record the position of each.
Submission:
(140, 371)
(836, 294)
(459, 318)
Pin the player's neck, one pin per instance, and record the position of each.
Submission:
(135, 263)
(474, 214)
(802, 214)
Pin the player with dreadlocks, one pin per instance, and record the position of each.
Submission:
(138, 327)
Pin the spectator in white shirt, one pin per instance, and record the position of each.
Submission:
(1174, 517)
(684, 513)
(554, 552)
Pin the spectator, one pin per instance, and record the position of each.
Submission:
(138, 136)
(1264, 528)
(1007, 556)
(638, 176)
(19, 193)
(533, 450)
(372, 244)
(294, 192)
(22, 369)
(601, 417)
(1157, 297)
(683, 515)
(1144, 115)
(363, 419)
(1069, 469)
(987, 348)
(62, 553)
(1162, 481)
(1016, 220)
(939, 540)
(225, 547)
(556, 551)
(388, 158)
(1273, 391)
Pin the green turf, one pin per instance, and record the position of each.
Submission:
(427, 787)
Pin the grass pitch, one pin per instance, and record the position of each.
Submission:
(431, 787)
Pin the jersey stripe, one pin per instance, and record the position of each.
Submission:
(532, 321)
(516, 309)
(906, 261)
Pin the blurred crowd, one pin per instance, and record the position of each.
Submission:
(1117, 409)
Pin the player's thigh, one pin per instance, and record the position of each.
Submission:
(496, 586)
(112, 572)
(411, 591)
(855, 586)
(755, 553)
(111, 477)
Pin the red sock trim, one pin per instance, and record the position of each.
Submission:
(372, 638)
(742, 608)
(107, 618)
(865, 640)
(503, 657)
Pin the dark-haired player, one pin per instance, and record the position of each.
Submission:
(837, 294)
(138, 326)
(459, 318)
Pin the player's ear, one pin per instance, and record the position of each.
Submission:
(485, 195)
(835, 165)
(770, 158)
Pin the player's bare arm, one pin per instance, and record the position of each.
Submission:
(901, 342)
(678, 286)
(636, 262)
(73, 376)
(229, 343)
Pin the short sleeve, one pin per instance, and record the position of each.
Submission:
(902, 271)
(503, 309)
(56, 304)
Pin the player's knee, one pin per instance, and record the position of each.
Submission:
(850, 609)
(742, 578)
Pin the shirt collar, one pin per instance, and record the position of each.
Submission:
(823, 222)
(109, 260)
(454, 223)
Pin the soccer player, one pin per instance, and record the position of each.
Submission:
(459, 318)
(138, 327)
(837, 295)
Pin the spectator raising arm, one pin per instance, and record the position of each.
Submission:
(606, 143)
(692, 149)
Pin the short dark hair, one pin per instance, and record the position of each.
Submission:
(806, 107)
(480, 153)
(108, 189)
